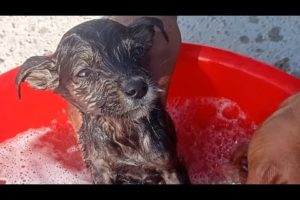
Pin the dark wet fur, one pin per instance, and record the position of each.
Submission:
(124, 140)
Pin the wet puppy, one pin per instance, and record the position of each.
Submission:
(100, 68)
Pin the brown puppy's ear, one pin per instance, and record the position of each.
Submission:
(240, 159)
(142, 31)
(40, 72)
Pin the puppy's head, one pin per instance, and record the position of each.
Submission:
(100, 67)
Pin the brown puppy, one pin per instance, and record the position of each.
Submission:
(274, 151)
(100, 67)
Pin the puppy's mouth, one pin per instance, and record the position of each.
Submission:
(138, 112)
(134, 112)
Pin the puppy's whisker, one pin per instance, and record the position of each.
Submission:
(155, 108)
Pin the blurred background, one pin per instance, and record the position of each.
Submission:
(271, 39)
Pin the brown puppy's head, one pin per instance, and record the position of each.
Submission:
(100, 67)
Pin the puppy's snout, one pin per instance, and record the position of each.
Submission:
(136, 88)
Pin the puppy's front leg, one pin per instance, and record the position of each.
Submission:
(100, 171)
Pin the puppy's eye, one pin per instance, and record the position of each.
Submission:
(84, 73)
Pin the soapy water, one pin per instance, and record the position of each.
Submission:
(48, 155)
(209, 131)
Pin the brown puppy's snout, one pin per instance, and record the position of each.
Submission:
(135, 87)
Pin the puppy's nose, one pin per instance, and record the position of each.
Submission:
(136, 88)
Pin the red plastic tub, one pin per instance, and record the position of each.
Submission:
(257, 87)
(201, 71)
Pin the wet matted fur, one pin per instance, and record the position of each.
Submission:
(100, 67)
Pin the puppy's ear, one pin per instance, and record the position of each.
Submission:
(40, 72)
(142, 31)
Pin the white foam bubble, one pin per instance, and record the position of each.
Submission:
(207, 148)
(22, 163)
